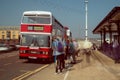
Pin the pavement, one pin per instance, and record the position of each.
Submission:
(86, 68)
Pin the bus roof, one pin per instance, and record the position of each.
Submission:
(37, 13)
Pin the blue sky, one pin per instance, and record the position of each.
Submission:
(70, 13)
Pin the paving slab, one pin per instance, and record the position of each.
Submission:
(86, 68)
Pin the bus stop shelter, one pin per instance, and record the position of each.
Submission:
(109, 27)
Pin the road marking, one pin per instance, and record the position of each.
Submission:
(18, 78)
(29, 73)
(66, 75)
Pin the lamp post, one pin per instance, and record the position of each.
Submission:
(87, 44)
(86, 20)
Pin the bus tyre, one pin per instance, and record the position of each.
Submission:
(30, 60)
(49, 60)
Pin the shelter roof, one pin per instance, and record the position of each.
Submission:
(109, 21)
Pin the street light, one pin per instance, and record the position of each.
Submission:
(87, 44)
(86, 20)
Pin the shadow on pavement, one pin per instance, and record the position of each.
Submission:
(37, 62)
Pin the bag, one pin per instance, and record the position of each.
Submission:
(60, 47)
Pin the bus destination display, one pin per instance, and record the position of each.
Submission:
(36, 28)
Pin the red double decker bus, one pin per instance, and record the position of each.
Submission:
(37, 30)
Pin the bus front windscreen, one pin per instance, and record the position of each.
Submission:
(35, 40)
(33, 19)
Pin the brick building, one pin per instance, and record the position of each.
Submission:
(9, 34)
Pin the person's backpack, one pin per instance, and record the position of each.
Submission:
(60, 47)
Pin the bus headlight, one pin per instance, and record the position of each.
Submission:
(43, 52)
(22, 51)
(46, 53)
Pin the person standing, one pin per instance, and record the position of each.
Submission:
(61, 58)
(63, 54)
(76, 47)
(115, 50)
(72, 51)
(67, 54)
(56, 54)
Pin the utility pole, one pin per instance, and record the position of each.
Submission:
(86, 20)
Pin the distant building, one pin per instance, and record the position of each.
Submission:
(9, 34)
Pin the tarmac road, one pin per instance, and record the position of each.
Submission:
(11, 66)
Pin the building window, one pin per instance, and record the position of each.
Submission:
(13, 36)
(13, 32)
(8, 34)
(3, 37)
(2, 32)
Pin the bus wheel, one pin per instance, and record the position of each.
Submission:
(30, 60)
(51, 60)
(48, 60)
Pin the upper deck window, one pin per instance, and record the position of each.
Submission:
(36, 19)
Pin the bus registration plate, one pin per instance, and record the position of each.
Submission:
(32, 57)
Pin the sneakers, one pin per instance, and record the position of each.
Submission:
(59, 71)
(69, 68)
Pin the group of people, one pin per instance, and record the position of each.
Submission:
(63, 50)
(112, 49)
